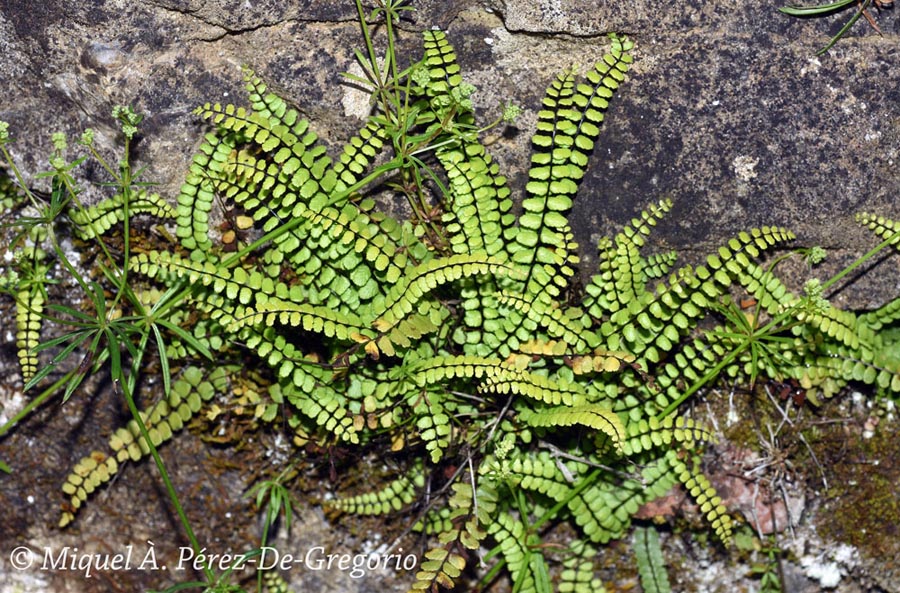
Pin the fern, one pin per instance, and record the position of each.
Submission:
(99, 218)
(162, 419)
(398, 494)
(525, 567)
(578, 574)
(457, 339)
(443, 565)
(651, 566)
(702, 492)
(30, 297)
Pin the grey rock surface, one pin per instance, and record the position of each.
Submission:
(728, 110)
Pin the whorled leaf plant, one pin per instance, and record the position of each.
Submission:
(451, 342)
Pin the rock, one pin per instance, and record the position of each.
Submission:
(728, 110)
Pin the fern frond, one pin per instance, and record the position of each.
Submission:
(884, 315)
(440, 567)
(659, 264)
(884, 228)
(510, 535)
(650, 563)
(705, 496)
(468, 510)
(29, 308)
(274, 109)
(162, 419)
(393, 497)
(659, 434)
(310, 393)
(510, 379)
(27, 287)
(359, 154)
(477, 209)
(650, 325)
(409, 289)
(357, 243)
(832, 322)
(443, 77)
(553, 319)
(240, 290)
(541, 472)
(600, 361)
(99, 218)
(622, 275)
(437, 369)
(604, 509)
(317, 319)
(591, 415)
(578, 574)
(197, 194)
(566, 130)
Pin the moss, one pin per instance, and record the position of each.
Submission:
(863, 507)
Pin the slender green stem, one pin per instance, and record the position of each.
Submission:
(128, 383)
(860, 261)
(36, 401)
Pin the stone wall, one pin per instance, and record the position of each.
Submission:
(728, 111)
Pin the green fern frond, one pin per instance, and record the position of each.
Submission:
(553, 319)
(355, 240)
(407, 292)
(510, 379)
(308, 392)
(655, 434)
(622, 275)
(97, 219)
(435, 370)
(604, 510)
(238, 289)
(541, 472)
(591, 415)
(162, 419)
(30, 295)
(763, 285)
(511, 537)
(659, 264)
(393, 497)
(477, 209)
(273, 108)
(884, 228)
(600, 361)
(883, 316)
(650, 325)
(195, 200)
(705, 496)
(566, 130)
(444, 79)
(254, 127)
(650, 563)
(839, 325)
(359, 154)
(29, 307)
(312, 318)
(578, 574)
